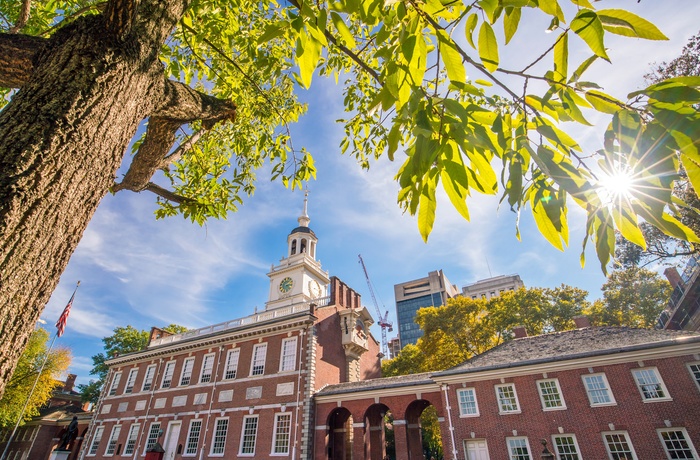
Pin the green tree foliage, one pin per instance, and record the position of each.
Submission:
(430, 433)
(464, 327)
(425, 84)
(631, 297)
(661, 246)
(20, 385)
(124, 340)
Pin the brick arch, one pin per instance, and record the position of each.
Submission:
(339, 434)
(374, 436)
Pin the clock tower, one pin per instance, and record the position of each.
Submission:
(299, 277)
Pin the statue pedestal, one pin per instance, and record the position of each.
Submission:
(59, 455)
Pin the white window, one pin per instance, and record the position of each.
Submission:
(207, 368)
(257, 366)
(112, 444)
(280, 443)
(131, 439)
(288, 354)
(131, 380)
(148, 379)
(650, 384)
(467, 402)
(677, 443)
(115, 383)
(96, 439)
(231, 363)
(123, 406)
(518, 448)
(248, 435)
(507, 399)
(219, 442)
(168, 374)
(566, 447)
(550, 394)
(193, 437)
(186, 374)
(153, 434)
(694, 369)
(598, 390)
(618, 445)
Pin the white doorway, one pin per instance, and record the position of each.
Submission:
(171, 438)
(476, 449)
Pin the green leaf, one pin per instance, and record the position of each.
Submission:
(626, 221)
(552, 8)
(273, 31)
(308, 55)
(453, 179)
(426, 208)
(469, 27)
(490, 7)
(554, 134)
(451, 58)
(488, 47)
(561, 57)
(582, 68)
(547, 213)
(510, 22)
(343, 30)
(622, 22)
(603, 102)
(587, 26)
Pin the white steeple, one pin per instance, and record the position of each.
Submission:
(299, 277)
(304, 218)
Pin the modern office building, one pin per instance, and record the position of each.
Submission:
(431, 291)
(492, 287)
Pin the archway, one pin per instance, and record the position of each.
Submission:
(376, 418)
(416, 432)
(340, 435)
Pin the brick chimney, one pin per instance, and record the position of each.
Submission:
(582, 321)
(519, 332)
(673, 277)
(157, 333)
(70, 383)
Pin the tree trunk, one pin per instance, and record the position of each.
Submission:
(63, 137)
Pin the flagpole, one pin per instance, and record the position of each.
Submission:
(36, 381)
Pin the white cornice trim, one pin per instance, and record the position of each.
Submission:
(299, 321)
(371, 393)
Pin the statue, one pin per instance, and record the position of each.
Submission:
(70, 434)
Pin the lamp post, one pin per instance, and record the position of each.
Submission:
(546, 454)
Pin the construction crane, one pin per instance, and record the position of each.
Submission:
(383, 321)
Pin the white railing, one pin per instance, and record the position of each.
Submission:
(265, 315)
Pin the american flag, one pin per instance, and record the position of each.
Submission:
(61, 323)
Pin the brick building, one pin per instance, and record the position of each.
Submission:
(39, 437)
(242, 388)
(591, 393)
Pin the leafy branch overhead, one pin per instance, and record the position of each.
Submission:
(425, 78)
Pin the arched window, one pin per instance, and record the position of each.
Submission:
(303, 246)
(294, 247)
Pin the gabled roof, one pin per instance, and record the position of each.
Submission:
(557, 346)
(566, 345)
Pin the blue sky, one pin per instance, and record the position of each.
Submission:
(139, 271)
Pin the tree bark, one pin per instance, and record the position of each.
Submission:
(83, 93)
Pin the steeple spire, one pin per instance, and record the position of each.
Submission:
(304, 218)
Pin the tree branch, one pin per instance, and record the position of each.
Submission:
(23, 17)
(160, 136)
(182, 148)
(167, 194)
(120, 16)
(17, 54)
(183, 104)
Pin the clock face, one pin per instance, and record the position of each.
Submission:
(314, 288)
(286, 285)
